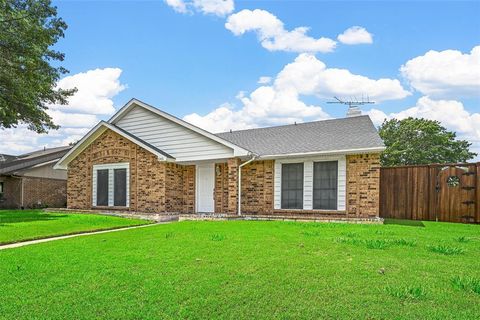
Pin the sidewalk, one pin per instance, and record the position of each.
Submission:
(29, 242)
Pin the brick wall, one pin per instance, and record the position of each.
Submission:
(148, 176)
(44, 192)
(363, 188)
(221, 188)
(12, 192)
(363, 185)
(37, 192)
(155, 186)
(257, 187)
(232, 184)
(180, 188)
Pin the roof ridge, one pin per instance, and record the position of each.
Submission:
(294, 124)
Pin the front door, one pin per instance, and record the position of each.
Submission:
(205, 187)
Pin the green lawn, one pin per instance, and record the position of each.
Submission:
(248, 269)
(20, 225)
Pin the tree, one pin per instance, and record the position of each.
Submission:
(28, 30)
(421, 141)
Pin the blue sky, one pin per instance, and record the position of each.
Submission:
(202, 61)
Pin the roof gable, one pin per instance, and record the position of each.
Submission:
(181, 139)
(93, 134)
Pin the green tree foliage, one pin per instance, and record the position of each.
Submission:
(28, 30)
(421, 141)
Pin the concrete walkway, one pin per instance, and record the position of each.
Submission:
(29, 242)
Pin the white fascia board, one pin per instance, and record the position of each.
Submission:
(237, 150)
(93, 134)
(332, 152)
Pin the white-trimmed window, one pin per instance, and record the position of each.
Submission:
(310, 183)
(111, 183)
(1, 189)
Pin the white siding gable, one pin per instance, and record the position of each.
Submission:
(178, 141)
(308, 180)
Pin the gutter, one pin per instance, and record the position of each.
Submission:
(240, 182)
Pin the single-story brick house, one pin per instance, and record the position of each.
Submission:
(29, 180)
(146, 160)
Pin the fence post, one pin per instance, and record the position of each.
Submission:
(477, 192)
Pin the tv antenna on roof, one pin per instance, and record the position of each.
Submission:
(353, 109)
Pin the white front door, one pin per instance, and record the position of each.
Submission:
(205, 187)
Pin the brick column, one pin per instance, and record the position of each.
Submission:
(232, 170)
(363, 185)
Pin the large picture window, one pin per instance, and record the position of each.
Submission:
(292, 186)
(325, 185)
(111, 185)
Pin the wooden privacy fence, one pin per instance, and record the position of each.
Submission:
(443, 192)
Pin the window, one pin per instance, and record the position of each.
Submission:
(102, 187)
(325, 185)
(1, 189)
(120, 187)
(111, 185)
(292, 186)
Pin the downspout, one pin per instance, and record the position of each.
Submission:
(22, 206)
(240, 182)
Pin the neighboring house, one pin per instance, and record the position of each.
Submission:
(29, 180)
(146, 160)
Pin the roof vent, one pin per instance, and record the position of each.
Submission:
(354, 111)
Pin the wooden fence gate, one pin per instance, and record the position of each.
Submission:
(448, 193)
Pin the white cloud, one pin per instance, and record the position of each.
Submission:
(445, 74)
(74, 120)
(355, 35)
(18, 140)
(96, 88)
(451, 113)
(310, 76)
(177, 5)
(279, 103)
(272, 34)
(216, 7)
(264, 80)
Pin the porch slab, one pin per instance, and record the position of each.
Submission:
(299, 218)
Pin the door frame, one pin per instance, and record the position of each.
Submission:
(197, 186)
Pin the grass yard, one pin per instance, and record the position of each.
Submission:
(20, 225)
(248, 269)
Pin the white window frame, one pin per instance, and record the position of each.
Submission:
(308, 181)
(110, 167)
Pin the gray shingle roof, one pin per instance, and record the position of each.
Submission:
(31, 159)
(319, 136)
